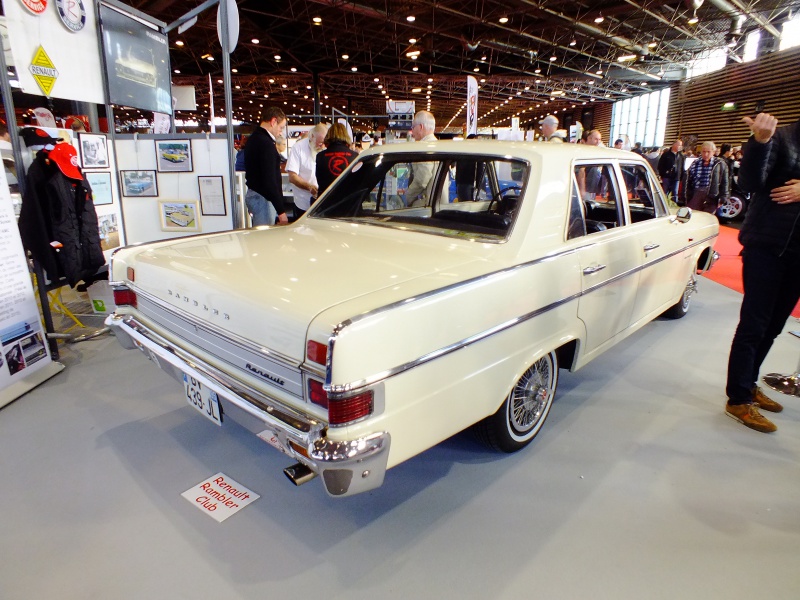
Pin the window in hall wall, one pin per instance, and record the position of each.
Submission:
(790, 33)
(642, 118)
(751, 43)
(708, 62)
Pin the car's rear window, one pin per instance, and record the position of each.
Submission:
(465, 195)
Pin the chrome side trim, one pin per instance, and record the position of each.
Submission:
(346, 388)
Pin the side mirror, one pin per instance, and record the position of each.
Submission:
(684, 214)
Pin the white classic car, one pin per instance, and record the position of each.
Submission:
(380, 324)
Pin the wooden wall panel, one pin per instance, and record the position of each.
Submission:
(695, 106)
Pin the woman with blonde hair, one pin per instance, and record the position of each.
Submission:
(336, 156)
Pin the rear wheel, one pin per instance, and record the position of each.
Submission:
(525, 409)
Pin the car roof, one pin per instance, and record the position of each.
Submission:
(523, 150)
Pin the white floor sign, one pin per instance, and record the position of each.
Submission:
(219, 496)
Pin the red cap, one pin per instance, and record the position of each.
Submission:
(66, 157)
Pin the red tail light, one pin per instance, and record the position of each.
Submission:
(317, 394)
(350, 409)
(125, 297)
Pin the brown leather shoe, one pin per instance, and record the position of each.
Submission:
(748, 415)
(764, 402)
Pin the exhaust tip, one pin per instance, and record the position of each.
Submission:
(299, 474)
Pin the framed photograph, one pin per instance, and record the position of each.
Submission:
(101, 188)
(212, 195)
(143, 184)
(174, 156)
(94, 151)
(178, 215)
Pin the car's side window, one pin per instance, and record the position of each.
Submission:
(577, 221)
(643, 200)
(598, 190)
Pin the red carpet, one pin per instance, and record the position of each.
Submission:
(728, 269)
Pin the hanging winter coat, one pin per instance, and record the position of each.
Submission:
(35, 217)
(75, 226)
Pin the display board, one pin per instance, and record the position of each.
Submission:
(137, 62)
(174, 185)
(55, 54)
(24, 353)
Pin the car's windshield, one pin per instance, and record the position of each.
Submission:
(463, 195)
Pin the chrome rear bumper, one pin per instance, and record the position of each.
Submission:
(347, 467)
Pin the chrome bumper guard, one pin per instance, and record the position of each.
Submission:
(347, 467)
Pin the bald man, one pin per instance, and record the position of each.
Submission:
(422, 128)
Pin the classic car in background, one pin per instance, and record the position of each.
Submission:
(397, 313)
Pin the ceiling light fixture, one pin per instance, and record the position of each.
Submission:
(179, 43)
(317, 20)
(277, 57)
(345, 56)
(552, 58)
(694, 20)
(503, 20)
(411, 18)
(412, 40)
(574, 42)
(626, 57)
(255, 41)
(599, 18)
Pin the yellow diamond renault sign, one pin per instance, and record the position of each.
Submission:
(43, 71)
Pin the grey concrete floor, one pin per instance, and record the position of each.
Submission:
(637, 487)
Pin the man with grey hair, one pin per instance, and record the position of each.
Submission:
(706, 182)
(549, 129)
(302, 167)
(422, 127)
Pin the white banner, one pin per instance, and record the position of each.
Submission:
(24, 354)
(56, 56)
(472, 105)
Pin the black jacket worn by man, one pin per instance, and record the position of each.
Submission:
(764, 167)
(670, 165)
(331, 162)
(262, 167)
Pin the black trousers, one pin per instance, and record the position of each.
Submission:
(771, 291)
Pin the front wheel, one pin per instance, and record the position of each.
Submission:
(679, 310)
(525, 409)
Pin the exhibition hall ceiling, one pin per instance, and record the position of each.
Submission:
(523, 52)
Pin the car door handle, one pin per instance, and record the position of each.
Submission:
(649, 247)
(595, 269)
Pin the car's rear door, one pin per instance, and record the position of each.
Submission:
(609, 254)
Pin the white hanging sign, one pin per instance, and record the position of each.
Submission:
(74, 49)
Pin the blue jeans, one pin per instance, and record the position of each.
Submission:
(261, 209)
(771, 291)
(670, 186)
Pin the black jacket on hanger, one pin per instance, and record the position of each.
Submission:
(57, 209)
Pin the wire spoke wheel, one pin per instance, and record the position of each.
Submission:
(525, 409)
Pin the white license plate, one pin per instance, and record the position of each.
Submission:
(202, 398)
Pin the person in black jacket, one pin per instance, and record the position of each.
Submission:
(262, 166)
(770, 237)
(336, 156)
(670, 168)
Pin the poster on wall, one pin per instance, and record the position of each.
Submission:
(24, 355)
(137, 62)
(68, 65)
(94, 152)
(178, 216)
(174, 156)
(101, 188)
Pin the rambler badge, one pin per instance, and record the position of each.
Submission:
(72, 13)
